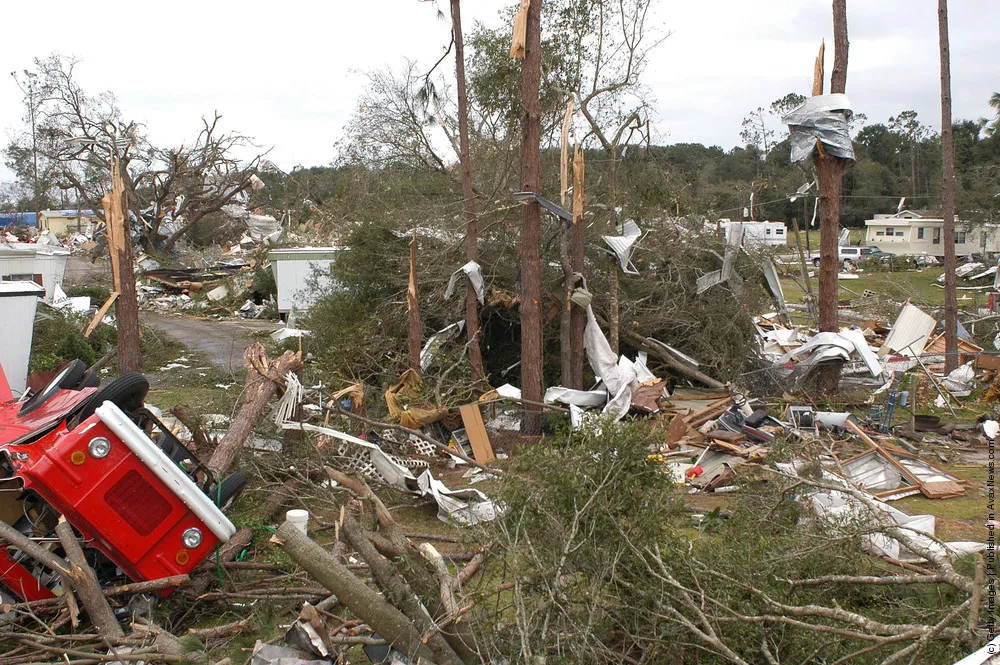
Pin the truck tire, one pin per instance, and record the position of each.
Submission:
(127, 392)
(68, 379)
(232, 485)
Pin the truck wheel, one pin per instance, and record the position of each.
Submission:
(232, 485)
(68, 379)
(127, 392)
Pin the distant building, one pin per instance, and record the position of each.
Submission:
(62, 222)
(17, 219)
(761, 233)
(920, 232)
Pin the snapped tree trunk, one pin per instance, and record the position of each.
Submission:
(614, 282)
(951, 358)
(415, 333)
(471, 226)
(120, 247)
(264, 377)
(531, 285)
(578, 317)
(830, 171)
(85, 583)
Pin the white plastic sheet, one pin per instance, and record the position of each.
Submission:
(622, 246)
(475, 275)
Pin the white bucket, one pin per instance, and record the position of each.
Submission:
(300, 518)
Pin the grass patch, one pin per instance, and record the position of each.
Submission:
(962, 518)
(918, 286)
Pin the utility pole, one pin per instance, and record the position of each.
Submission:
(951, 358)
(531, 287)
(471, 230)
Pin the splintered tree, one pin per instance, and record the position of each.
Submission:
(951, 358)
(531, 166)
(830, 171)
(471, 231)
(77, 136)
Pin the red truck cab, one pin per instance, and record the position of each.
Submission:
(86, 453)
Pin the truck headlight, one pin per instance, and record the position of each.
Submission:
(99, 447)
(191, 538)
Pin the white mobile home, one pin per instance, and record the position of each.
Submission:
(760, 233)
(42, 264)
(18, 301)
(293, 268)
(920, 232)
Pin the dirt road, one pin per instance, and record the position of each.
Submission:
(221, 342)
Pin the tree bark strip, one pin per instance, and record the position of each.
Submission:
(951, 358)
(531, 285)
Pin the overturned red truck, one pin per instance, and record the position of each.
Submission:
(143, 504)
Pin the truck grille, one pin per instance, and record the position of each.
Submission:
(138, 503)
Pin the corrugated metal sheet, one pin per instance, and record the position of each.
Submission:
(909, 333)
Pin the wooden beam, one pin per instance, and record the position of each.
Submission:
(100, 314)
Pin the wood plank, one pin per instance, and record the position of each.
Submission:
(942, 489)
(100, 314)
(475, 429)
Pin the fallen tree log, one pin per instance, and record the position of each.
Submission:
(358, 597)
(86, 585)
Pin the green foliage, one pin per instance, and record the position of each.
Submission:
(57, 339)
(577, 506)
(599, 547)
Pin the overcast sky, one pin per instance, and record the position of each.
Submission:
(287, 73)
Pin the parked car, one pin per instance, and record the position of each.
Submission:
(850, 256)
(143, 504)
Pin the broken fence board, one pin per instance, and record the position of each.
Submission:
(100, 314)
(475, 429)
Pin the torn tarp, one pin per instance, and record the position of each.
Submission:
(475, 275)
(622, 246)
(823, 119)
(602, 359)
